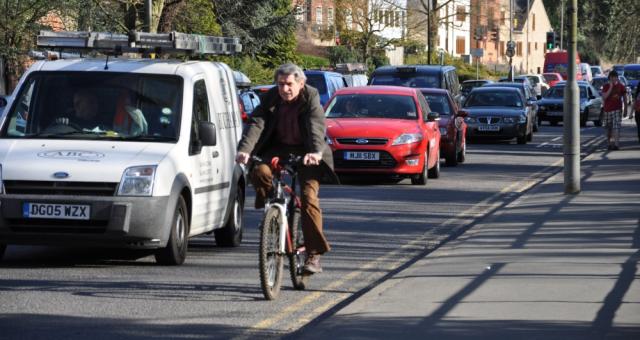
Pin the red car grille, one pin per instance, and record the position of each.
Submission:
(386, 161)
(361, 141)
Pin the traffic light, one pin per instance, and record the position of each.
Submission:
(551, 40)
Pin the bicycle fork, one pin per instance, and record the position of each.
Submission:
(282, 238)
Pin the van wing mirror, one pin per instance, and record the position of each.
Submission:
(207, 133)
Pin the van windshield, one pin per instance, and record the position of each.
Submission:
(97, 105)
(409, 80)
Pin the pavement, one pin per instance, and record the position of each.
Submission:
(545, 266)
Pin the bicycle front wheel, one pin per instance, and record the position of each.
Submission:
(271, 260)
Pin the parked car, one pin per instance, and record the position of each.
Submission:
(529, 96)
(356, 79)
(469, 85)
(598, 82)
(453, 128)
(585, 71)
(326, 82)
(551, 106)
(421, 76)
(384, 130)
(596, 71)
(628, 97)
(552, 78)
(632, 73)
(260, 89)
(539, 84)
(499, 112)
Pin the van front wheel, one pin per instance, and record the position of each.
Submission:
(176, 250)
(231, 234)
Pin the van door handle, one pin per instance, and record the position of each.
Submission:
(215, 154)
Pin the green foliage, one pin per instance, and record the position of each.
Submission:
(313, 62)
(342, 54)
(197, 17)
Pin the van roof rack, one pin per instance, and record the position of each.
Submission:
(139, 42)
(351, 68)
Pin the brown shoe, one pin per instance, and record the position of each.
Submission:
(312, 265)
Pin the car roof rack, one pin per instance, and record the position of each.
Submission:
(139, 42)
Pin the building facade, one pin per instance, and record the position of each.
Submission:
(316, 22)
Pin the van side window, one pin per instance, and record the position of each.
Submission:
(200, 114)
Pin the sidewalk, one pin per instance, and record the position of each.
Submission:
(548, 266)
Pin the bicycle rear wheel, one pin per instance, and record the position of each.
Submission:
(271, 261)
(297, 256)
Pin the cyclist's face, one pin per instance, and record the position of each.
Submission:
(288, 87)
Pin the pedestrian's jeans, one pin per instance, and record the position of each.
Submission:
(308, 179)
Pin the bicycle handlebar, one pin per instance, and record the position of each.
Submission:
(276, 162)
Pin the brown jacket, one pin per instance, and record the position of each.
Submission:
(257, 137)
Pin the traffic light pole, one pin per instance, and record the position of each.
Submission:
(571, 117)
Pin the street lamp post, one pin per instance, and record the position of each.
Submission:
(571, 111)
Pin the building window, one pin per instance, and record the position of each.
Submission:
(533, 22)
(387, 14)
(502, 48)
(398, 17)
(330, 16)
(536, 45)
(503, 17)
(460, 45)
(519, 49)
(318, 15)
(461, 14)
(528, 48)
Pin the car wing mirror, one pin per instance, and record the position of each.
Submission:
(207, 133)
(433, 116)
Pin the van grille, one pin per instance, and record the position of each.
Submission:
(20, 225)
(60, 188)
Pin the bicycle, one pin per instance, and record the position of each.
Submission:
(280, 236)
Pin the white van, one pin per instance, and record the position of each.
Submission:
(146, 162)
(585, 70)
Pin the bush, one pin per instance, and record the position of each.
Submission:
(313, 62)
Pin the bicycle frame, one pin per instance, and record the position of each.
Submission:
(281, 202)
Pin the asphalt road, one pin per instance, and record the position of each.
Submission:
(375, 230)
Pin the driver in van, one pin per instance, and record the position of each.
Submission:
(85, 111)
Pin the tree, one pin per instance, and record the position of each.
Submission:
(266, 28)
(20, 20)
(361, 22)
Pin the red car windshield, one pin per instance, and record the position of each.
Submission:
(372, 106)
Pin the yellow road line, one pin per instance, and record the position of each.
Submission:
(481, 208)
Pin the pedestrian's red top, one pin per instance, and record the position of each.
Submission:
(614, 101)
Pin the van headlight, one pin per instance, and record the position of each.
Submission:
(137, 181)
(407, 138)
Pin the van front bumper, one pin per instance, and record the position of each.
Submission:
(130, 222)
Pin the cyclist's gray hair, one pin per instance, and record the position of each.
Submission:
(288, 69)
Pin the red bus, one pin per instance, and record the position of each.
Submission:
(558, 62)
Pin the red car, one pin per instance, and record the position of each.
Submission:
(386, 130)
(453, 128)
(552, 78)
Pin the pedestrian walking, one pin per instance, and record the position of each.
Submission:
(613, 94)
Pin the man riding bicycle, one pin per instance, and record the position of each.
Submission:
(290, 120)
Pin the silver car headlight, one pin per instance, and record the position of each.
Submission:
(137, 181)
(509, 120)
(407, 138)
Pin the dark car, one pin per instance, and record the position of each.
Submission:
(598, 82)
(453, 128)
(499, 112)
(421, 76)
(469, 85)
(632, 73)
(551, 106)
(529, 95)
